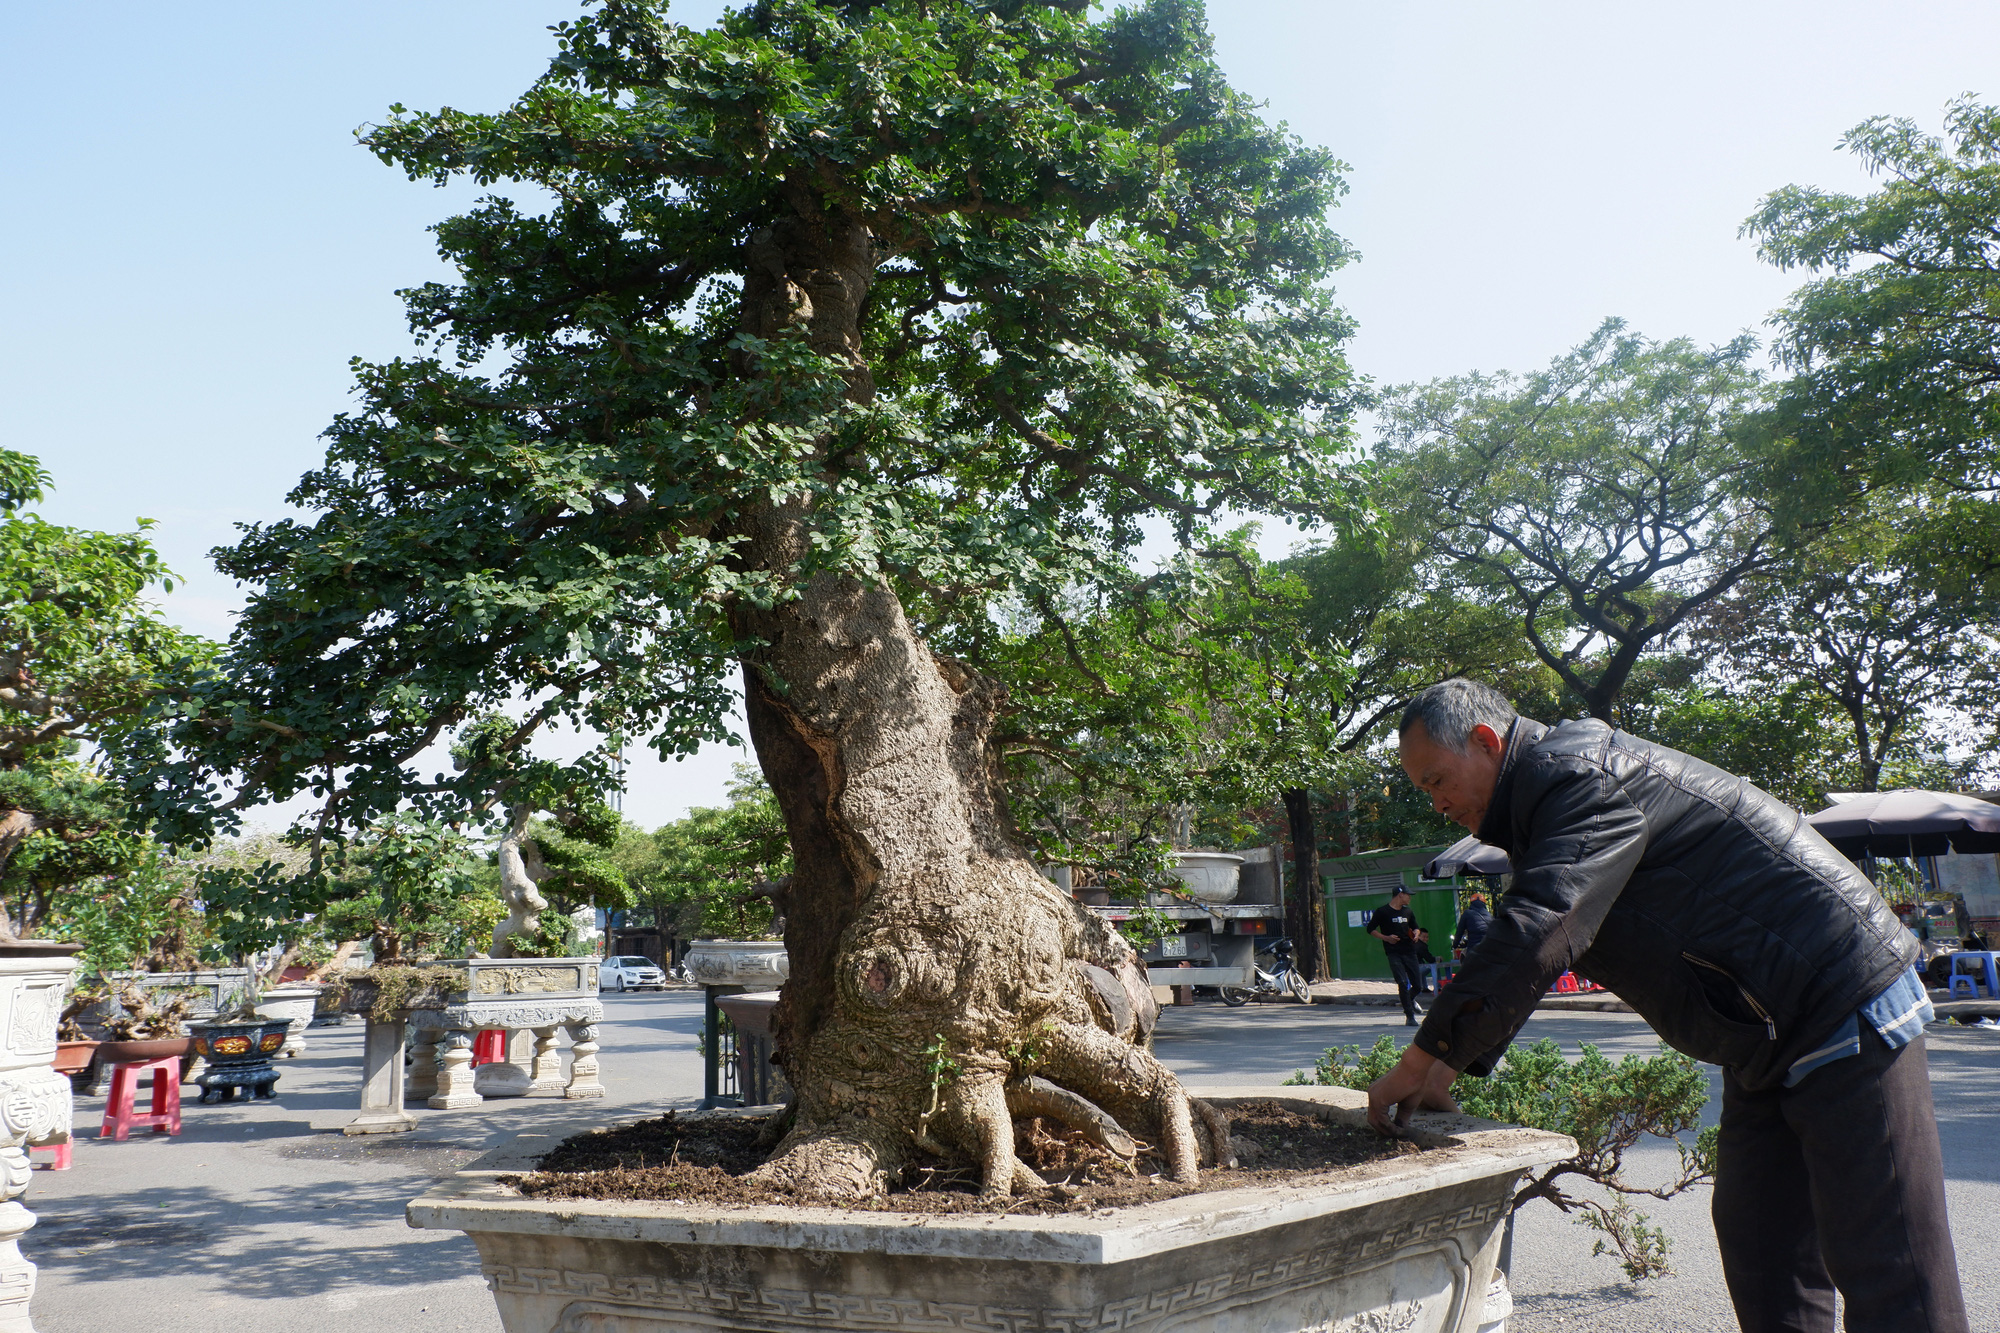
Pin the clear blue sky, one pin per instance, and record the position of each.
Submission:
(195, 246)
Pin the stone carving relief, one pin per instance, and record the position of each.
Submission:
(1392, 1320)
(526, 980)
(739, 963)
(31, 1030)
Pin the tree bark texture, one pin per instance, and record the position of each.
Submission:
(932, 966)
(1305, 912)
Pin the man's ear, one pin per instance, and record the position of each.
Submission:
(1488, 740)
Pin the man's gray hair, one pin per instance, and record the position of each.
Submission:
(1450, 709)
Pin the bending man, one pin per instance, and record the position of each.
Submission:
(1746, 941)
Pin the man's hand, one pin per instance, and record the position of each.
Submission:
(1419, 1082)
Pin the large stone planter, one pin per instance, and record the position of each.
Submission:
(1405, 1245)
(751, 964)
(295, 1005)
(34, 1099)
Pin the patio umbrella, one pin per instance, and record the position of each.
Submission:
(1470, 856)
(1910, 823)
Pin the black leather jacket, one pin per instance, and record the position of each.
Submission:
(1710, 907)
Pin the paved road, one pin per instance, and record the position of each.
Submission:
(261, 1216)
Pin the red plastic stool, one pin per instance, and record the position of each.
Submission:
(60, 1162)
(119, 1117)
(489, 1047)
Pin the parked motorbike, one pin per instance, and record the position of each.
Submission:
(1283, 978)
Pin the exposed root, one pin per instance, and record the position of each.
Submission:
(1212, 1128)
(977, 1111)
(1061, 1155)
(837, 1162)
(1034, 1096)
(1133, 1087)
(779, 1125)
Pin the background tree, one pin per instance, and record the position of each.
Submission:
(1894, 343)
(1861, 617)
(81, 655)
(831, 304)
(1782, 735)
(1603, 501)
(712, 862)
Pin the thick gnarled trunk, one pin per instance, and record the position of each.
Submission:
(936, 977)
(936, 974)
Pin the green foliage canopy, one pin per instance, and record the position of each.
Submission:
(710, 864)
(1894, 342)
(1096, 292)
(82, 655)
(1603, 501)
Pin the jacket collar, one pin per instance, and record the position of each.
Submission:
(1497, 828)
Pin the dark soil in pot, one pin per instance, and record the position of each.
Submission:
(706, 1160)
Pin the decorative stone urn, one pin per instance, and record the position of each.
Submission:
(238, 1058)
(1210, 877)
(34, 1100)
(536, 995)
(294, 1004)
(752, 964)
(1403, 1245)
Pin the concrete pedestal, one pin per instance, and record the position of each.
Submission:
(382, 1082)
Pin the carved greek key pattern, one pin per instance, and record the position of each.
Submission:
(782, 1309)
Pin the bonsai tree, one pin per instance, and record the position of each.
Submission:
(1607, 1108)
(572, 857)
(838, 315)
(81, 654)
(410, 888)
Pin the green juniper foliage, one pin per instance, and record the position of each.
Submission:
(1607, 1108)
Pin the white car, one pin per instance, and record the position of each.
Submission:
(630, 972)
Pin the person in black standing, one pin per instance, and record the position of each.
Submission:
(1473, 924)
(1397, 929)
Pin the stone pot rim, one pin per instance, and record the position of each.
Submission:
(39, 949)
(474, 1199)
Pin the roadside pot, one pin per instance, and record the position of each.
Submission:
(1406, 1244)
(1209, 877)
(73, 1057)
(751, 964)
(293, 1003)
(239, 1058)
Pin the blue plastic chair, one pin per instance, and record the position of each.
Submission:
(1974, 970)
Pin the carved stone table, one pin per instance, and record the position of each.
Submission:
(34, 1100)
(529, 999)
